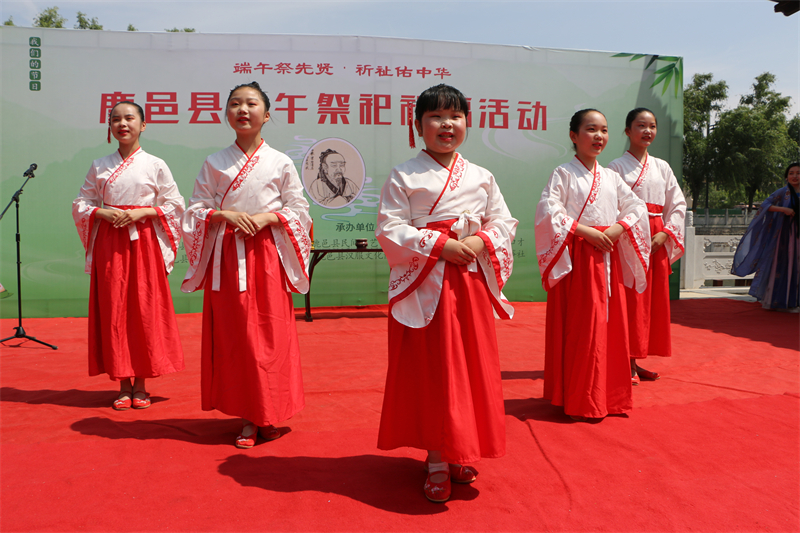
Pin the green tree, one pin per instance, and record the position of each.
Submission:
(794, 133)
(701, 99)
(49, 17)
(131, 27)
(751, 144)
(178, 30)
(84, 23)
(9, 22)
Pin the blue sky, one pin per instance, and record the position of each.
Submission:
(734, 40)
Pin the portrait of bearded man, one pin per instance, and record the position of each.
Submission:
(331, 183)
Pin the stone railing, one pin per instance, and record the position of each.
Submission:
(707, 257)
(731, 217)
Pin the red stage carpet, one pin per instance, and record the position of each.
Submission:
(712, 446)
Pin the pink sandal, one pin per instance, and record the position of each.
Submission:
(141, 403)
(248, 442)
(269, 433)
(122, 404)
(463, 474)
(460, 473)
(438, 492)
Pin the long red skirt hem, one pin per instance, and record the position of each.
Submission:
(133, 331)
(648, 312)
(250, 362)
(587, 368)
(443, 385)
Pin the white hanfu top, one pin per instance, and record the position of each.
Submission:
(655, 183)
(421, 191)
(140, 180)
(265, 182)
(595, 197)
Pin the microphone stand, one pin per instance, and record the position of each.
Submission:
(20, 334)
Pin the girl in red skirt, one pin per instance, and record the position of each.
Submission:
(591, 241)
(447, 233)
(652, 180)
(246, 239)
(128, 217)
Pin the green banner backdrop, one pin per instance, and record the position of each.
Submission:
(351, 94)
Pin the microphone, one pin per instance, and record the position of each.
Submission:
(29, 173)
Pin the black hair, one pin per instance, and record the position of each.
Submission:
(324, 155)
(794, 201)
(441, 97)
(790, 167)
(577, 119)
(134, 104)
(635, 113)
(252, 85)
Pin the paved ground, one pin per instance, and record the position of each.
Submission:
(734, 293)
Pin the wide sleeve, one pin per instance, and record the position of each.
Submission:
(674, 215)
(497, 232)
(197, 229)
(170, 205)
(292, 238)
(554, 229)
(84, 208)
(634, 244)
(759, 240)
(412, 253)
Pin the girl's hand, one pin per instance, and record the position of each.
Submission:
(458, 253)
(239, 220)
(659, 239)
(474, 243)
(788, 211)
(596, 238)
(109, 215)
(614, 232)
(262, 220)
(125, 218)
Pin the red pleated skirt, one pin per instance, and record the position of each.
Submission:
(586, 367)
(443, 386)
(250, 353)
(132, 327)
(648, 312)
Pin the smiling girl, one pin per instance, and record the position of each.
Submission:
(246, 238)
(446, 232)
(652, 180)
(591, 241)
(128, 216)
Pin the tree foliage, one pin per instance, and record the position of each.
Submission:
(794, 134)
(9, 22)
(178, 30)
(131, 27)
(49, 17)
(701, 100)
(751, 145)
(84, 23)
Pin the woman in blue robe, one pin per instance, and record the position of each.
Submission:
(771, 248)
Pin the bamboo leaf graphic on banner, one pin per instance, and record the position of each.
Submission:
(658, 79)
(672, 72)
(665, 69)
(666, 81)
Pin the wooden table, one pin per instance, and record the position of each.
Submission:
(317, 256)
